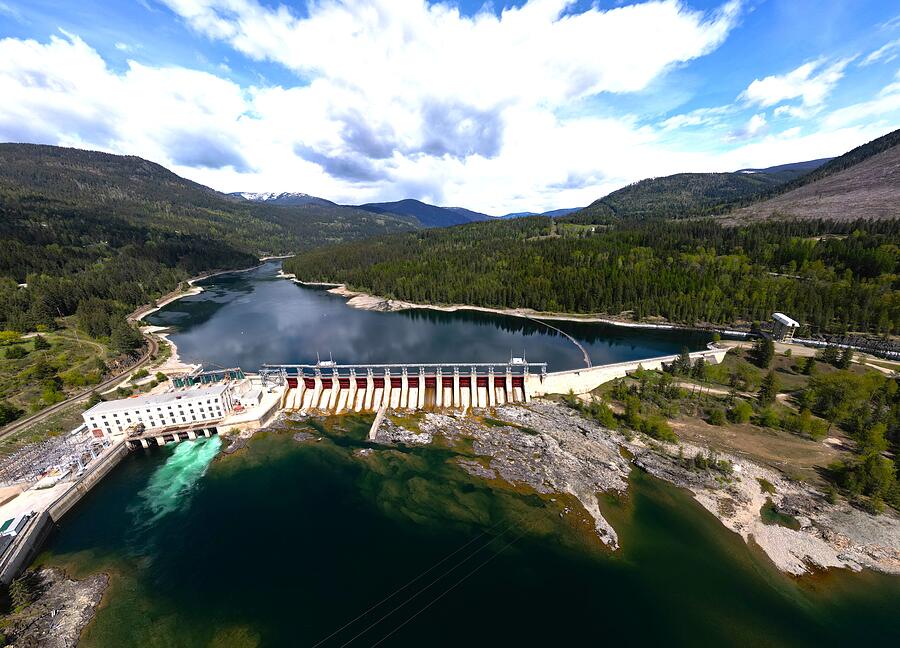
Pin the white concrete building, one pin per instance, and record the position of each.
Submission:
(178, 408)
(783, 327)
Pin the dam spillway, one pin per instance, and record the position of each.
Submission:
(334, 388)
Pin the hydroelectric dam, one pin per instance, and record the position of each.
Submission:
(328, 387)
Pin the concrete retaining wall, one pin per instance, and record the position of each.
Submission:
(26, 545)
(87, 481)
(582, 381)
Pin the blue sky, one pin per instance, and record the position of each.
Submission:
(498, 107)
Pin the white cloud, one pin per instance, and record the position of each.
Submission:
(699, 117)
(755, 126)
(123, 47)
(886, 53)
(811, 83)
(402, 97)
(422, 103)
(885, 105)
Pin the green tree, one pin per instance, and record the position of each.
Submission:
(41, 343)
(845, 358)
(124, 339)
(700, 370)
(763, 352)
(8, 413)
(810, 367)
(768, 390)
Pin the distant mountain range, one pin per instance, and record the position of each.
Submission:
(283, 198)
(425, 214)
(791, 170)
(552, 213)
(66, 196)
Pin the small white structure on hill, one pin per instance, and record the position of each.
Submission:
(161, 410)
(783, 327)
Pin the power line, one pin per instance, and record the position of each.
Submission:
(397, 591)
(442, 576)
(449, 589)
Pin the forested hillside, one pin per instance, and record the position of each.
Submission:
(79, 225)
(682, 195)
(831, 276)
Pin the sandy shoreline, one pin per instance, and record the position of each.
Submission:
(366, 301)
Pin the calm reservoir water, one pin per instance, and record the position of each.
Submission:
(315, 544)
(249, 318)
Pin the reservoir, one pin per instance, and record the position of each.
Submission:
(250, 318)
(312, 536)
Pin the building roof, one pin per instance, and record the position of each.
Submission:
(781, 318)
(155, 399)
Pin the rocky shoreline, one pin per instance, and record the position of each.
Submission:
(550, 448)
(61, 611)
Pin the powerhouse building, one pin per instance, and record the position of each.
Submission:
(170, 409)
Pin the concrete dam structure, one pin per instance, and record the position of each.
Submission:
(332, 388)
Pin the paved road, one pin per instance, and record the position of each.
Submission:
(16, 426)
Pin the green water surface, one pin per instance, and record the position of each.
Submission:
(287, 544)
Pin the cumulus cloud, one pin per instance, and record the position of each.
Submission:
(812, 82)
(392, 96)
(754, 127)
(404, 99)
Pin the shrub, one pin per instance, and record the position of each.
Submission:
(140, 373)
(806, 424)
(9, 337)
(769, 418)
(73, 378)
(740, 412)
(51, 396)
(600, 412)
(9, 413)
(15, 352)
(766, 486)
(716, 416)
(161, 377)
(658, 428)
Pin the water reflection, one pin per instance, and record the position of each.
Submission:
(247, 319)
